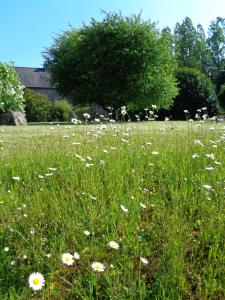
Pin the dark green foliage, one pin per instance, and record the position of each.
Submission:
(62, 111)
(38, 107)
(118, 61)
(195, 91)
(220, 88)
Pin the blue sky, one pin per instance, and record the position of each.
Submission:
(28, 26)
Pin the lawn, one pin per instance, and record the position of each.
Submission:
(155, 188)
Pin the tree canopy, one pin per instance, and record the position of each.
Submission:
(118, 61)
(195, 92)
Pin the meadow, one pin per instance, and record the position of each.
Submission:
(155, 190)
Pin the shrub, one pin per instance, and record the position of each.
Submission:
(195, 91)
(11, 89)
(62, 111)
(38, 107)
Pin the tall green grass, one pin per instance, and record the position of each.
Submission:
(180, 232)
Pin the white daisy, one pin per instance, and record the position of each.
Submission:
(67, 259)
(76, 255)
(86, 232)
(124, 208)
(97, 266)
(36, 281)
(142, 205)
(113, 245)
(206, 186)
(144, 260)
(155, 153)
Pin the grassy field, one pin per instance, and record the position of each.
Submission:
(157, 189)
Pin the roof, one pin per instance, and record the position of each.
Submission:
(34, 77)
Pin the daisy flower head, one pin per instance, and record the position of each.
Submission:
(113, 245)
(86, 232)
(76, 255)
(36, 281)
(67, 259)
(123, 208)
(144, 260)
(97, 266)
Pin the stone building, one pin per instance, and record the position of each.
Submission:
(38, 80)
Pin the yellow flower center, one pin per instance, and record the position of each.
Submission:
(98, 267)
(67, 259)
(36, 281)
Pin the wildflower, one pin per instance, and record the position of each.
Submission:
(211, 155)
(76, 255)
(144, 260)
(67, 259)
(86, 116)
(195, 155)
(142, 205)
(198, 142)
(89, 165)
(113, 245)
(206, 186)
(36, 281)
(97, 266)
(155, 153)
(16, 178)
(6, 249)
(86, 232)
(124, 208)
(209, 168)
(123, 110)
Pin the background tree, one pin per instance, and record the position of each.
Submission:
(190, 45)
(216, 45)
(118, 61)
(195, 92)
(220, 88)
(11, 89)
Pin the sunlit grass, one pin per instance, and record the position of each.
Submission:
(136, 184)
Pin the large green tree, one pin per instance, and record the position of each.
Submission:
(190, 45)
(216, 45)
(118, 61)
